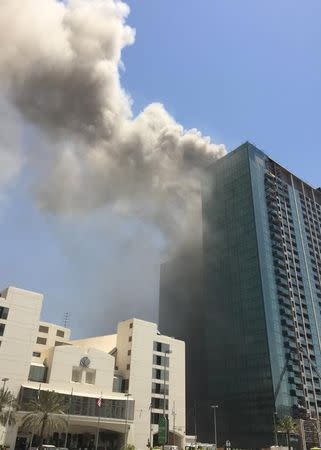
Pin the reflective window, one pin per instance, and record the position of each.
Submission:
(161, 347)
(87, 406)
(76, 374)
(158, 374)
(4, 312)
(90, 376)
(38, 373)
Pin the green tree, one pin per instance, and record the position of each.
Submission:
(128, 447)
(7, 407)
(45, 415)
(287, 426)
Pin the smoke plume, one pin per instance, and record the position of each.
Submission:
(60, 67)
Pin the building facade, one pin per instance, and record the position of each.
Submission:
(261, 295)
(151, 368)
(124, 371)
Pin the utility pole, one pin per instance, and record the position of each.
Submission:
(126, 420)
(68, 420)
(4, 380)
(174, 422)
(214, 407)
(166, 353)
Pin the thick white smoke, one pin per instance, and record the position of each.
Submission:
(60, 67)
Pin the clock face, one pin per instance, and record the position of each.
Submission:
(84, 362)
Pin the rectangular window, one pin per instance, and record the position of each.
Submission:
(38, 373)
(128, 366)
(161, 347)
(2, 327)
(60, 333)
(90, 376)
(76, 374)
(159, 360)
(36, 354)
(158, 403)
(4, 312)
(158, 388)
(125, 385)
(155, 418)
(129, 339)
(131, 325)
(41, 340)
(158, 374)
(58, 343)
(43, 329)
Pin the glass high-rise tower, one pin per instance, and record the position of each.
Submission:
(258, 301)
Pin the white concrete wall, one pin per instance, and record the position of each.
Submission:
(139, 374)
(62, 359)
(177, 389)
(51, 339)
(20, 334)
(18, 341)
(140, 361)
(104, 343)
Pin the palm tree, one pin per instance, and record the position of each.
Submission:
(288, 426)
(45, 416)
(7, 403)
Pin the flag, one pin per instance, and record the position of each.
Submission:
(99, 402)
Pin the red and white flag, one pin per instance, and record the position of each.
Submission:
(99, 402)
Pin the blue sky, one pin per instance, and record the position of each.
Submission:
(235, 69)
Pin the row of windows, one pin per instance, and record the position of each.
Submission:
(80, 375)
(159, 374)
(158, 388)
(161, 347)
(87, 406)
(292, 286)
(160, 360)
(43, 341)
(158, 403)
(44, 329)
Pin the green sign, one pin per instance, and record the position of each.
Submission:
(162, 430)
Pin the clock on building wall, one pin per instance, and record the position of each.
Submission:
(85, 362)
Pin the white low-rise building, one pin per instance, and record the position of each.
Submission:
(133, 372)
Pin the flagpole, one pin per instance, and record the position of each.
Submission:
(99, 403)
(68, 420)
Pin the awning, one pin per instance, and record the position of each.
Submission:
(98, 394)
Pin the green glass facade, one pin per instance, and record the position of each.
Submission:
(239, 369)
(260, 300)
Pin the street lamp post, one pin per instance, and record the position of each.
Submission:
(4, 380)
(166, 353)
(214, 407)
(126, 420)
(276, 441)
